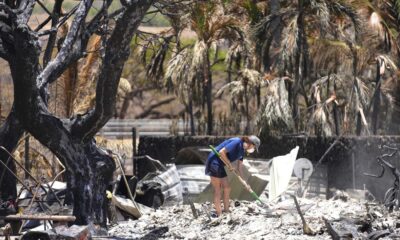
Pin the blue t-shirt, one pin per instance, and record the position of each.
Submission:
(234, 148)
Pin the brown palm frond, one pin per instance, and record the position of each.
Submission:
(247, 79)
(178, 75)
(155, 69)
(327, 54)
(88, 72)
(276, 114)
(289, 42)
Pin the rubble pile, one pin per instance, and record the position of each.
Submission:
(329, 219)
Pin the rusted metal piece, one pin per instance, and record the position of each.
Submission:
(60, 218)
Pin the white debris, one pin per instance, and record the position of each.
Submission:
(252, 221)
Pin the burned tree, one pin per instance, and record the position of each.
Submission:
(89, 169)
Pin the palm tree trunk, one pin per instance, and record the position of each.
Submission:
(125, 106)
(359, 125)
(191, 116)
(246, 100)
(297, 70)
(208, 79)
(336, 117)
(377, 100)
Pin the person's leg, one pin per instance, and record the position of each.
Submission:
(216, 183)
(227, 191)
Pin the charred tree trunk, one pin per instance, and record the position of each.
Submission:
(10, 134)
(89, 169)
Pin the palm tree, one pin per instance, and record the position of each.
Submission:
(211, 25)
(243, 88)
(300, 23)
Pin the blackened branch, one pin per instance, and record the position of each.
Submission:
(98, 20)
(11, 15)
(116, 53)
(40, 26)
(54, 69)
(25, 11)
(53, 35)
(45, 8)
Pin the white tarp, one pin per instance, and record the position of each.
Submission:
(280, 173)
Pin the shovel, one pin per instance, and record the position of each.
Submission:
(247, 186)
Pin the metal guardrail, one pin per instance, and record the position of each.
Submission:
(122, 128)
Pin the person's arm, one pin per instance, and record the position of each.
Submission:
(225, 159)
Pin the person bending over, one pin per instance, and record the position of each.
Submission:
(231, 150)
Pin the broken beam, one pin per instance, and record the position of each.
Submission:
(60, 218)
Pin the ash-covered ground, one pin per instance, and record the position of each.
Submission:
(249, 220)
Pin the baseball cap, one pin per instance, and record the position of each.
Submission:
(256, 141)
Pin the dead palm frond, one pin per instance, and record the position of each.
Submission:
(289, 41)
(276, 114)
(124, 88)
(74, 92)
(155, 69)
(179, 76)
(87, 77)
(320, 116)
(248, 79)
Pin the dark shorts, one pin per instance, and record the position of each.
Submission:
(215, 169)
